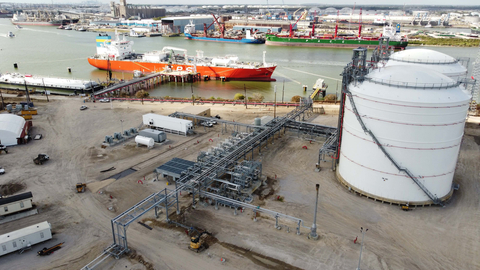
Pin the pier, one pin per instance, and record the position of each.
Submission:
(150, 81)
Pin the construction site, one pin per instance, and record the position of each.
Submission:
(387, 179)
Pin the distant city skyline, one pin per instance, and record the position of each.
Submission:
(278, 2)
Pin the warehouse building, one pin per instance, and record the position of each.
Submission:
(13, 129)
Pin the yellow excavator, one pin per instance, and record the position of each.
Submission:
(196, 242)
(81, 187)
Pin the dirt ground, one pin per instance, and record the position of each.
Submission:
(424, 238)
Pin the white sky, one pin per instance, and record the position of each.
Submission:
(271, 2)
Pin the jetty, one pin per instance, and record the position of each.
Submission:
(150, 81)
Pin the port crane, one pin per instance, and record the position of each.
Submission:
(302, 16)
(220, 26)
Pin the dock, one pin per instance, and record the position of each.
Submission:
(150, 81)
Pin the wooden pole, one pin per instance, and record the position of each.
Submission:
(245, 96)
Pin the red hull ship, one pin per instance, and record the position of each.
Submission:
(117, 55)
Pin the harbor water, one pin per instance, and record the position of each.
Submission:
(48, 51)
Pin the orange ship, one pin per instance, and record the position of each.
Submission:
(117, 55)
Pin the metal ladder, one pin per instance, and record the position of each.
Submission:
(405, 170)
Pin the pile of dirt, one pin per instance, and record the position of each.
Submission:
(96, 186)
(133, 256)
(11, 188)
(259, 259)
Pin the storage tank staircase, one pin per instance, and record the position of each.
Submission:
(405, 170)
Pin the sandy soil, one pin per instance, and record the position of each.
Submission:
(425, 238)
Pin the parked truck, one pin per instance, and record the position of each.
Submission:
(168, 124)
(40, 159)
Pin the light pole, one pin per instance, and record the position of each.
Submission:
(275, 104)
(363, 231)
(121, 121)
(313, 231)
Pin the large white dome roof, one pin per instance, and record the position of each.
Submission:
(430, 59)
(415, 84)
(423, 56)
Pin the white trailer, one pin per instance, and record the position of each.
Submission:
(167, 124)
(25, 238)
(16, 203)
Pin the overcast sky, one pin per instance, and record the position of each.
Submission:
(271, 2)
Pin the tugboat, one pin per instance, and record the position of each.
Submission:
(136, 34)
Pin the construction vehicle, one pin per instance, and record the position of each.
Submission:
(48, 251)
(3, 148)
(196, 242)
(41, 158)
(81, 187)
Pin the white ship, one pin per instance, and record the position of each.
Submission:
(17, 81)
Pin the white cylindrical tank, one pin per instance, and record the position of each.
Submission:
(430, 59)
(418, 116)
(149, 142)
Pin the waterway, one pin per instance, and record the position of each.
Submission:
(48, 51)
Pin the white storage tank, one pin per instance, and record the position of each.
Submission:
(418, 115)
(430, 59)
(141, 140)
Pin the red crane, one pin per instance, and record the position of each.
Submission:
(336, 25)
(291, 26)
(360, 24)
(205, 27)
(221, 26)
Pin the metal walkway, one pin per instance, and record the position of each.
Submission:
(197, 178)
(309, 128)
(125, 84)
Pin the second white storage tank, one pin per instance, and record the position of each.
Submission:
(141, 140)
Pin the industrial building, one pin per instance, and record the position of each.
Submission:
(24, 238)
(124, 10)
(157, 135)
(16, 203)
(177, 24)
(13, 129)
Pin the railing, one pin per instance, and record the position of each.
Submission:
(414, 85)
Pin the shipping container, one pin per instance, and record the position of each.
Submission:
(167, 124)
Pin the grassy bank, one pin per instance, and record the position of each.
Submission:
(455, 42)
